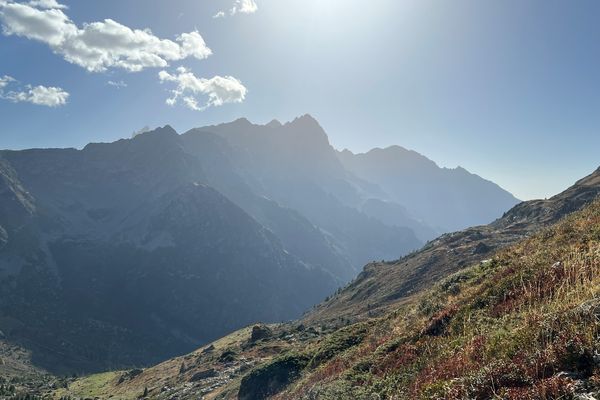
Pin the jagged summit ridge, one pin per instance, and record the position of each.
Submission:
(188, 236)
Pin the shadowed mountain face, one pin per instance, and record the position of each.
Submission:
(130, 252)
(503, 295)
(119, 254)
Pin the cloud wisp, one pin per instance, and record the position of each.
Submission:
(48, 96)
(117, 84)
(97, 46)
(100, 46)
(239, 7)
(218, 90)
(46, 4)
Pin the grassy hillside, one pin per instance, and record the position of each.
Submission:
(522, 324)
(213, 371)
(18, 374)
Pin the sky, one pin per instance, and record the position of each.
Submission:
(506, 89)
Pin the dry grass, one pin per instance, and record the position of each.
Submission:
(524, 325)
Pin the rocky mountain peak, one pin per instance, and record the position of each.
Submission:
(308, 132)
(274, 124)
(166, 130)
(306, 121)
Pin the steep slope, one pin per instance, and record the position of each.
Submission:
(298, 235)
(118, 254)
(532, 214)
(354, 198)
(522, 324)
(445, 199)
(393, 214)
(130, 252)
(383, 284)
(294, 165)
(17, 373)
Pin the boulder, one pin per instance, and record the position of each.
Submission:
(260, 332)
(198, 376)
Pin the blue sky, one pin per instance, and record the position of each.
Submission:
(507, 89)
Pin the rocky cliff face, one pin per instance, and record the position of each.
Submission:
(359, 203)
(130, 252)
(119, 254)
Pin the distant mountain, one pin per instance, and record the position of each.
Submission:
(445, 199)
(382, 285)
(508, 310)
(119, 254)
(228, 169)
(131, 252)
(366, 216)
(294, 165)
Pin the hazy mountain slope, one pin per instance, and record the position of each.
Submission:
(522, 324)
(393, 214)
(129, 252)
(393, 190)
(297, 150)
(445, 199)
(383, 284)
(294, 165)
(298, 235)
(118, 255)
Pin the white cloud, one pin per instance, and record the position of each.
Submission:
(219, 90)
(117, 84)
(97, 46)
(192, 45)
(48, 26)
(244, 7)
(5, 80)
(40, 95)
(46, 4)
(240, 6)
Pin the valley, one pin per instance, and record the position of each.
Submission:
(527, 305)
(299, 200)
(128, 253)
(364, 334)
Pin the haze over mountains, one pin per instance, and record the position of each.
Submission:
(453, 320)
(130, 252)
(445, 199)
(382, 285)
(396, 186)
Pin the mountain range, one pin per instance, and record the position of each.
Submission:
(506, 310)
(128, 253)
